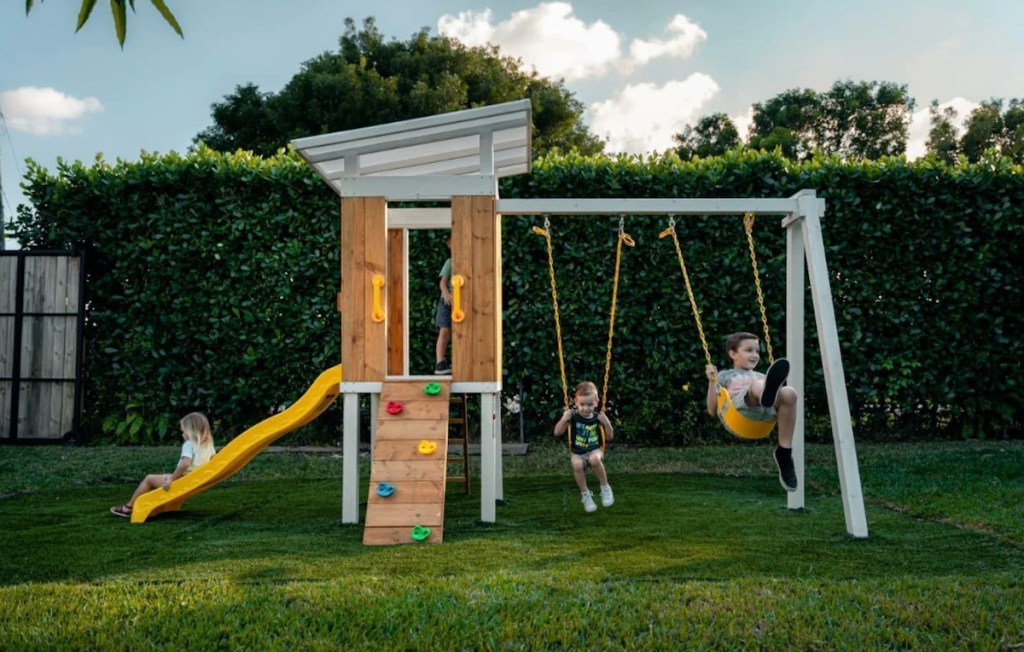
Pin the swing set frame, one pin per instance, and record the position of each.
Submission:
(801, 219)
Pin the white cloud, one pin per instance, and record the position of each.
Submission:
(555, 43)
(548, 38)
(743, 122)
(687, 35)
(643, 117)
(45, 111)
(921, 124)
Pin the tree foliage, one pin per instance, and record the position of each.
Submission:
(713, 135)
(852, 120)
(119, 11)
(988, 127)
(943, 142)
(989, 131)
(370, 80)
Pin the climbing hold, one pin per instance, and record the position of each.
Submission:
(427, 447)
(394, 407)
(385, 490)
(420, 533)
(432, 389)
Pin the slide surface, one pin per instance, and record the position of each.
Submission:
(242, 448)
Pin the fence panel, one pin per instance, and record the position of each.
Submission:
(40, 345)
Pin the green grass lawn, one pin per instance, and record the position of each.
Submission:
(698, 552)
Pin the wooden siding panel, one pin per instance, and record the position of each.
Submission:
(476, 253)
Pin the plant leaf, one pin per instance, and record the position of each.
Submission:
(168, 16)
(120, 20)
(84, 13)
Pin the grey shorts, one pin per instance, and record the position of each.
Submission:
(443, 318)
(585, 457)
(752, 412)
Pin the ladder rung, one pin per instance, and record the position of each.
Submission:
(458, 441)
(456, 421)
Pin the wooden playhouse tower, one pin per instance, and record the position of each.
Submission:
(454, 159)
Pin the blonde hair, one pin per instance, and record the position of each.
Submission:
(197, 429)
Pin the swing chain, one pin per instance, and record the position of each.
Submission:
(671, 231)
(623, 238)
(748, 227)
(554, 301)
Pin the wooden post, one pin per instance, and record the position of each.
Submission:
(396, 303)
(835, 382)
(476, 256)
(363, 255)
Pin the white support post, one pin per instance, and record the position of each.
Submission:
(795, 297)
(488, 458)
(350, 460)
(499, 462)
(835, 381)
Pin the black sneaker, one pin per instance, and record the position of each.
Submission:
(787, 472)
(442, 368)
(773, 382)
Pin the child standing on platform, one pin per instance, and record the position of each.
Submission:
(443, 319)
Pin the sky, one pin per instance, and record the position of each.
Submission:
(643, 69)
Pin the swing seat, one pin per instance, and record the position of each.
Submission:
(736, 423)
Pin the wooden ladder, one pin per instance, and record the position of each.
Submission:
(458, 438)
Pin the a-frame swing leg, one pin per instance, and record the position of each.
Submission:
(810, 210)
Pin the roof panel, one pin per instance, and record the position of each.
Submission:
(449, 144)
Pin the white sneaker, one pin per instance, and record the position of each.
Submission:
(607, 497)
(588, 502)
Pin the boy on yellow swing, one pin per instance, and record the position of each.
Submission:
(585, 440)
(760, 397)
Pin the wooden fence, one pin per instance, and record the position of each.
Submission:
(41, 317)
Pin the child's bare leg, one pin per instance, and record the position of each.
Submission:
(579, 472)
(596, 460)
(443, 335)
(753, 398)
(149, 483)
(785, 406)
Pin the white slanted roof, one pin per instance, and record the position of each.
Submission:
(476, 145)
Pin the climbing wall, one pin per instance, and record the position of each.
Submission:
(409, 459)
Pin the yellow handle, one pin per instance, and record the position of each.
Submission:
(457, 314)
(378, 301)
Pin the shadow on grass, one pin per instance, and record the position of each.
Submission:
(663, 526)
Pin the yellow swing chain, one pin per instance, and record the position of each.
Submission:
(671, 231)
(748, 226)
(623, 238)
(546, 232)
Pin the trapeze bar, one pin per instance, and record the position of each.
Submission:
(646, 206)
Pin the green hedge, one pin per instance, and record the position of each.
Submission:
(212, 277)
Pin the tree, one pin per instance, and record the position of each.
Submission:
(120, 15)
(786, 121)
(371, 81)
(943, 142)
(713, 135)
(854, 120)
(989, 128)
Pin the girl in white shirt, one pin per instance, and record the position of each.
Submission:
(196, 450)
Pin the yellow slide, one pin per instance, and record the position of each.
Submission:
(242, 448)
